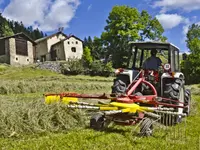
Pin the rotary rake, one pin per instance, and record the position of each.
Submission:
(130, 108)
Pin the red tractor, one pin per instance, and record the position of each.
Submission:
(167, 79)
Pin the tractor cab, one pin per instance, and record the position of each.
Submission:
(166, 52)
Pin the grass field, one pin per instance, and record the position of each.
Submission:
(26, 123)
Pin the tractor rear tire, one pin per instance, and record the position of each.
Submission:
(174, 91)
(118, 87)
(97, 122)
(146, 127)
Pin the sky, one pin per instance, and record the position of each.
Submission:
(84, 18)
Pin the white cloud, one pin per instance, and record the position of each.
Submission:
(47, 15)
(170, 21)
(89, 7)
(185, 29)
(187, 5)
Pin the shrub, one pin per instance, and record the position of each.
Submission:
(72, 67)
(100, 69)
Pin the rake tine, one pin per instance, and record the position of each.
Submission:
(160, 125)
(174, 129)
(162, 122)
(185, 125)
(167, 119)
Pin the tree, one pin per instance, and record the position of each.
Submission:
(126, 24)
(191, 66)
(87, 56)
(151, 28)
(5, 30)
(10, 27)
(88, 42)
(193, 38)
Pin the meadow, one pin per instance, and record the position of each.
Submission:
(26, 123)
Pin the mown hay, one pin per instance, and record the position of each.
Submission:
(22, 117)
(34, 86)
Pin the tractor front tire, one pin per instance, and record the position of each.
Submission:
(97, 122)
(174, 91)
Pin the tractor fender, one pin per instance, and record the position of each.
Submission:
(176, 75)
(128, 73)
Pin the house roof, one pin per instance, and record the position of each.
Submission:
(67, 39)
(21, 33)
(74, 37)
(47, 37)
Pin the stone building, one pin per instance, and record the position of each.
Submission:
(17, 49)
(58, 46)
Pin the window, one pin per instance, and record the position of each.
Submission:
(73, 49)
(72, 42)
(2, 47)
(21, 47)
(76, 42)
(27, 60)
(68, 42)
(16, 59)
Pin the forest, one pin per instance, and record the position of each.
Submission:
(10, 27)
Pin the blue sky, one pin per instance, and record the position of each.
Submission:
(88, 17)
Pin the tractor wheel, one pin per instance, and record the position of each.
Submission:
(97, 122)
(146, 127)
(119, 86)
(187, 101)
(174, 91)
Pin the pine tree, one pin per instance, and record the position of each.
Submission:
(10, 27)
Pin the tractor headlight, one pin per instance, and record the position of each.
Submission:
(167, 67)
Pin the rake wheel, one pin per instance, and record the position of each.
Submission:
(146, 127)
(97, 122)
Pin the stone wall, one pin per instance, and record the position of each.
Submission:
(48, 65)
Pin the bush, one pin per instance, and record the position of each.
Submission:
(96, 68)
(190, 68)
(72, 67)
(100, 69)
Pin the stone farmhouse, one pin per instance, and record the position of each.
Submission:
(20, 49)
(58, 46)
(17, 49)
